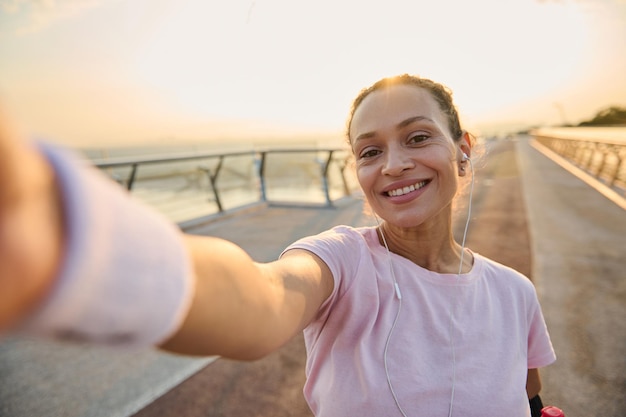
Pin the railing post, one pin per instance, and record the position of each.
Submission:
(618, 168)
(592, 151)
(261, 173)
(604, 152)
(213, 180)
(344, 165)
(131, 178)
(325, 166)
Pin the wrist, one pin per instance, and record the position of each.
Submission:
(31, 234)
(124, 277)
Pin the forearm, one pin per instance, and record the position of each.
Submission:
(123, 274)
(533, 383)
(239, 311)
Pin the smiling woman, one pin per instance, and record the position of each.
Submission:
(397, 318)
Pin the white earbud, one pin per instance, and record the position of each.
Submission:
(465, 157)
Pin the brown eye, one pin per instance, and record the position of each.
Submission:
(417, 138)
(369, 153)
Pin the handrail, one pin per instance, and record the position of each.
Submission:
(157, 159)
(605, 159)
(260, 156)
(135, 162)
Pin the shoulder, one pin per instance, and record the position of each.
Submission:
(499, 274)
(346, 250)
(337, 238)
(342, 248)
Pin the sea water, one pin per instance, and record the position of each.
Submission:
(183, 191)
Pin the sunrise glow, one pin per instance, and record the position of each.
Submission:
(114, 71)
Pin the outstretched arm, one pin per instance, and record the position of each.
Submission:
(228, 304)
(245, 310)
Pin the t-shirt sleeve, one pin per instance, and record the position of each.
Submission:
(540, 349)
(340, 249)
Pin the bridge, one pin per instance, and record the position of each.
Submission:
(529, 212)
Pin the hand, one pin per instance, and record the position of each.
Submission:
(31, 226)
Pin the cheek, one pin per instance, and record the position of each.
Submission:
(365, 176)
(442, 159)
(442, 151)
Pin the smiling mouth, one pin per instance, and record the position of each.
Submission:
(405, 190)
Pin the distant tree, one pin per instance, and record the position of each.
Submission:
(608, 117)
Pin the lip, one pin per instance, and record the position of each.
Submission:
(408, 196)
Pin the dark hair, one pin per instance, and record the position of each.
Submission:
(441, 93)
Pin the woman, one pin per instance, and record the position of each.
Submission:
(399, 319)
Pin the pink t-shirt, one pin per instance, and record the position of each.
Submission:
(498, 332)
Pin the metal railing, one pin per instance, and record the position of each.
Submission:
(337, 156)
(603, 159)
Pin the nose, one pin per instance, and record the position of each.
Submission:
(396, 161)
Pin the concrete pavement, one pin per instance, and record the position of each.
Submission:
(579, 249)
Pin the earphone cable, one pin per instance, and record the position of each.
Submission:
(456, 289)
(395, 321)
(451, 311)
(469, 215)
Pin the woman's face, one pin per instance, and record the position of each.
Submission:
(406, 159)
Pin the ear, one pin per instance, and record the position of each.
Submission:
(464, 149)
(465, 145)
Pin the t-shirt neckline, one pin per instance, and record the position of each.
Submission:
(371, 236)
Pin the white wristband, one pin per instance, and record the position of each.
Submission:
(126, 277)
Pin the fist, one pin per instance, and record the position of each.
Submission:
(31, 226)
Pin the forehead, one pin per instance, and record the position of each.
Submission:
(389, 106)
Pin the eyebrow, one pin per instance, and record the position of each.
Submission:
(400, 125)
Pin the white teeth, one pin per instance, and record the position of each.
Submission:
(406, 190)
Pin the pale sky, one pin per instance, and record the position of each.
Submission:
(97, 72)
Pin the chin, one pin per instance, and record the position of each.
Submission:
(405, 221)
